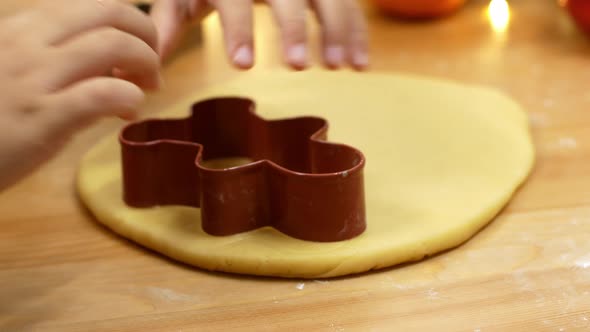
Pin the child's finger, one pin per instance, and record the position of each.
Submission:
(357, 36)
(236, 18)
(290, 16)
(169, 18)
(99, 52)
(86, 101)
(79, 16)
(333, 18)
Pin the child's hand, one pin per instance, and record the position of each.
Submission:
(64, 64)
(344, 29)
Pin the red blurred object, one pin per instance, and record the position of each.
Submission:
(419, 9)
(579, 10)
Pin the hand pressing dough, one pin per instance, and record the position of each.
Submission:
(442, 160)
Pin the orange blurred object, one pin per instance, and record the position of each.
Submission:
(579, 10)
(419, 9)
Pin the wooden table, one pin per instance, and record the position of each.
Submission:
(528, 271)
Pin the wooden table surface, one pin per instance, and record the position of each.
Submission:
(528, 271)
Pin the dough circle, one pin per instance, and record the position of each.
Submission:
(442, 160)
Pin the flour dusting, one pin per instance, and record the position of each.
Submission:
(567, 143)
(300, 286)
(432, 294)
(539, 119)
(524, 283)
(583, 262)
(336, 327)
(168, 295)
(548, 103)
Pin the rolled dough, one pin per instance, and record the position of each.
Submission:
(442, 159)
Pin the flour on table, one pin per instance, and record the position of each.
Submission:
(168, 294)
(539, 119)
(583, 262)
(432, 294)
(567, 143)
(321, 282)
(548, 103)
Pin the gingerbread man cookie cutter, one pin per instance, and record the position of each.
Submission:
(297, 182)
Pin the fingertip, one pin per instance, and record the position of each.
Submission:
(334, 56)
(129, 105)
(297, 56)
(360, 60)
(129, 115)
(243, 57)
(167, 42)
(136, 95)
(128, 96)
(153, 82)
(128, 108)
(236, 20)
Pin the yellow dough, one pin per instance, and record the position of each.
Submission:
(442, 160)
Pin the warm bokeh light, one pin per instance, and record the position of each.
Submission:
(499, 15)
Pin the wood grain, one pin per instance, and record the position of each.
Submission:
(527, 271)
